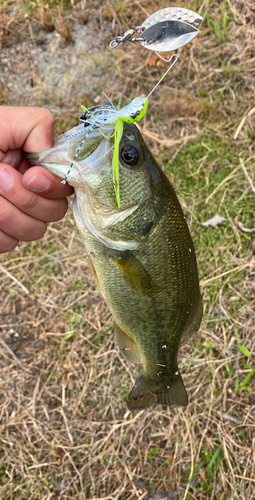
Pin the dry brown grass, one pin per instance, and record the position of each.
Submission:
(65, 428)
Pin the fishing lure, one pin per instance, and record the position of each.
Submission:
(107, 115)
(166, 30)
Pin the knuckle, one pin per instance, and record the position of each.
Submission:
(46, 116)
(5, 215)
(30, 202)
(43, 114)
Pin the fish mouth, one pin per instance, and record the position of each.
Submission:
(76, 153)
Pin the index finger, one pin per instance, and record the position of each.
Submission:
(29, 128)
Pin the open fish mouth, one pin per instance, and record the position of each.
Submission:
(94, 151)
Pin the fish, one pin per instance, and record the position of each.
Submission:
(140, 251)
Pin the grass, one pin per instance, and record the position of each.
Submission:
(65, 428)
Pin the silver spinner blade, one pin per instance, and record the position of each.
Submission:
(170, 29)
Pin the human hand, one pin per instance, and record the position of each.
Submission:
(29, 196)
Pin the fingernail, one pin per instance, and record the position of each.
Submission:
(6, 179)
(38, 183)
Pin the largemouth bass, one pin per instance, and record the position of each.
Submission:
(141, 254)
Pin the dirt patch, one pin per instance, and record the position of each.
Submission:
(46, 69)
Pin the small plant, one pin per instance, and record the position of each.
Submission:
(214, 460)
(245, 382)
(152, 453)
(69, 337)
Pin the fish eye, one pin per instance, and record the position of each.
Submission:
(130, 155)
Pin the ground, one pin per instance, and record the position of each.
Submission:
(64, 424)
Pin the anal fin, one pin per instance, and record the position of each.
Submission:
(127, 346)
(193, 324)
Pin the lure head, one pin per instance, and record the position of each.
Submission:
(134, 111)
(107, 114)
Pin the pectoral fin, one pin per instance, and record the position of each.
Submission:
(135, 275)
(91, 265)
(127, 346)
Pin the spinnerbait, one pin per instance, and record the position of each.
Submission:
(166, 30)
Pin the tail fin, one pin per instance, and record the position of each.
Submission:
(146, 392)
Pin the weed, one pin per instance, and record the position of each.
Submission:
(215, 460)
(245, 382)
(70, 336)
